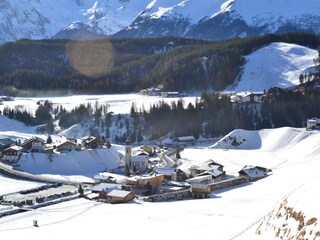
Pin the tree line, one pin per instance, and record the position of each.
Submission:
(178, 64)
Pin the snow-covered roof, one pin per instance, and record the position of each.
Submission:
(118, 193)
(253, 171)
(186, 138)
(314, 120)
(15, 148)
(199, 179)
(165, 171)
(105, 186)
(140, 159)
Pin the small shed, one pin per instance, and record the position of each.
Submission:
(120, 196)
(200, 190)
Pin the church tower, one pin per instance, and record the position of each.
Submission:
(128, 152)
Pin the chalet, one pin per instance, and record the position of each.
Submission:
(150, 182)
(210, 168)
(313, 123)
(246, 97)
(34, 144)
(141, 153)
(103, 188)
(186, 139)
(170, 94)
(104, 179)
(200, 190)
(200, 179)
(168, 173)
(119, 196)
(5, 143)
(252, 98)
(139, 162)
(12, 154)
(254, 172)
(92, 142)
(67, 146)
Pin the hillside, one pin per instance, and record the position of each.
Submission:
(130, 65)
(249, 211)
(276, 65)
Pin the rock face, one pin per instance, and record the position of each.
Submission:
(219, 19)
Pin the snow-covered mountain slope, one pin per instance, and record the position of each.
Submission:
(276, 65)
(223, 19)
(44, 19)
(251, 211)
(85, 163)
(243, 18)
(208, 19)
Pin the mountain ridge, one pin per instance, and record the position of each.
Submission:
(222, 19)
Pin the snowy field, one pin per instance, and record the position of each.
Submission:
(9, 185)
(281, 68)
(236, 213)
(117, 103)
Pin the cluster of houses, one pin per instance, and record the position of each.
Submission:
(313, 123)
(198, 180)
(11, 150)
(155, 91)
(243, 97)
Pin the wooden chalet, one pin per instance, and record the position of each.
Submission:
(67, 146)
(12, 154)
(92, 142)
(200, 190)
(34, 144)
(254, 173)
(119, 196)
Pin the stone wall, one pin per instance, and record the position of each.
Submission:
(228, 183)
(174, 196)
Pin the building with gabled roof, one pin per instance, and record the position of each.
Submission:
(12, 154)
(254, 172)
(34, 144)
(119, 196)
(92, 142)
(67, 146)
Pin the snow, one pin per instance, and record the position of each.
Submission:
(117, 103)
(276, 65)
(43, 19)
(192, 10)
(273, 12)
(235, 213)
(9, 185)
(74, 165)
